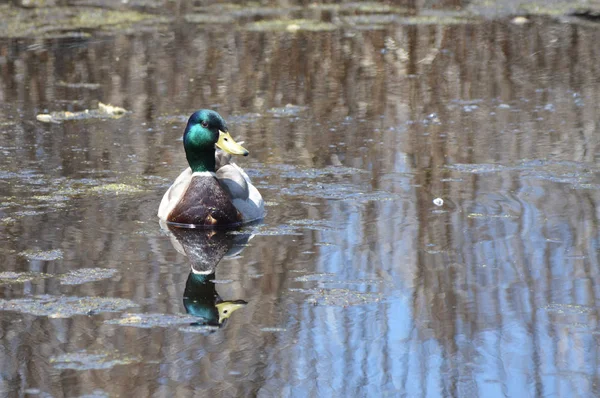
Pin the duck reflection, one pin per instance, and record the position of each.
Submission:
(204, 249)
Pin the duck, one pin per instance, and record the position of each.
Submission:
(213, 191)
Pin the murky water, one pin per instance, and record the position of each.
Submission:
(359, 282)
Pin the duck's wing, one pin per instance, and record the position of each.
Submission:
(232, 178)
(237, 184)
(233, 181)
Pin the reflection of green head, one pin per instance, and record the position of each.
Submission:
(201, 299)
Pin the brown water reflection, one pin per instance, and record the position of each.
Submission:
(357, 284)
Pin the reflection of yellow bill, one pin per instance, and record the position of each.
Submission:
(226, 308)
(228, 144)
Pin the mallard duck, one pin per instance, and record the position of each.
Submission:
(213, 191)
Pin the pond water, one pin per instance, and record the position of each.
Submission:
(432, 190)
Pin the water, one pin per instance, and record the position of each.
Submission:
(357, 283)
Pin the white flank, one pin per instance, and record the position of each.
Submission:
(177, 190)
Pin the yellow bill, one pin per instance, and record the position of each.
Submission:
(226, 308)
(229, 145)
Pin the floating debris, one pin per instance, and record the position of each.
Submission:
(293, 25)
(147, 321)
(196, 328)
(318, 277)
(65, 306)
(26, 213)
(480, 168)
(481, 215)
(50, 22)
(85, 275)
(520, 20)
(372, 21)
(43, 255)
(9, 277)
(360, 7)
(208, 19)
(273, 330)
(104, 111)
(51, 198)
(116, 188)
(571, 309)
(289, 110)
(342, 297)
(439, 19)
(438, 202)
(231, 11)
(328, 278)
(89, 86)
(84, 360)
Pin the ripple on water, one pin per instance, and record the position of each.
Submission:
(317, 225)
(87, 360)
(332, 191)
(580, 174)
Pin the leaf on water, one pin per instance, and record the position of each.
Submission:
(111, 109)
(104, 111)
(45, 118)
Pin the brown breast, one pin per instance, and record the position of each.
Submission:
(205, 203)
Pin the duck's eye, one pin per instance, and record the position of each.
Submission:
(204, 123)
(225, 312)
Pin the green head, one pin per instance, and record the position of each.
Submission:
(204, 130)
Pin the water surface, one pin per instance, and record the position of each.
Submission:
(357, 283)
